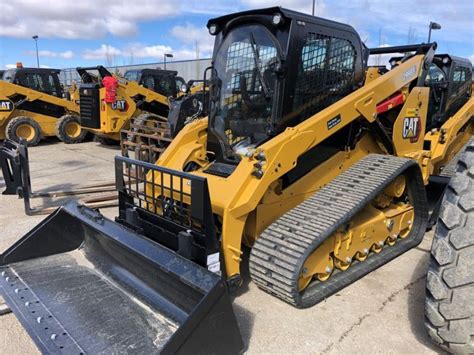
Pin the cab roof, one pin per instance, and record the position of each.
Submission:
(286, 13)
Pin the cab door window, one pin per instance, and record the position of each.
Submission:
(148, 82)
(166, 85)
(51, 87)
(461, 76)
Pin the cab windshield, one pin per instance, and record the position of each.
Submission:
(243, 98)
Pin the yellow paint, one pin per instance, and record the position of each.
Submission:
(113, 121)
(246, 205)
(46, 123)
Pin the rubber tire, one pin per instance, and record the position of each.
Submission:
(61, 129)
(10, 130)
(449, 304)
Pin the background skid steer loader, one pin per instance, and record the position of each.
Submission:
(309, 157)
(137, 115)
(32, 106)
(140, 95)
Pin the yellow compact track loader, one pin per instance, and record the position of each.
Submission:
(32, 105)
(317, 162)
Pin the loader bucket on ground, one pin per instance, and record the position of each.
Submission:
(80, 283)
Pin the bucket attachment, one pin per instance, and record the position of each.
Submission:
(15, 165)
(80, 283)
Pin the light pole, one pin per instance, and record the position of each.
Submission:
(35, 37)
(433, 26)
(314, 5)
(167, 55)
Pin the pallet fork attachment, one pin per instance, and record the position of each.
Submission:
(10, 165)
(14, 162)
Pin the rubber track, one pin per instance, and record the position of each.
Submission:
(278, 255)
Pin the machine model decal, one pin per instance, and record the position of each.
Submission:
(408, 74)
(6, 105)
(334, 121)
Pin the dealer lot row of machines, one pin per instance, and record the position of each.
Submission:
(316, 161)
(136, 104)
(134, 109)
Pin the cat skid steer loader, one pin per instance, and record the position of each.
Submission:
(32, 106)
(109, 103)
(317, 162)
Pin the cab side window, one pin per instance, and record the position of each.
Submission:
(51, 86)
(326, 73)
(148, 82)
(166, 86)
(461, 79)
(33, 81)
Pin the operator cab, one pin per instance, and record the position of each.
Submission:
(164, 82)
(39, 79)
(449, 79)
(272, 69)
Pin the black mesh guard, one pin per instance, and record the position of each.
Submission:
(326, 73)
(163, 204)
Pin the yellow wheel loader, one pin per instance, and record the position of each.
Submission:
(32, 106)
(317, 162)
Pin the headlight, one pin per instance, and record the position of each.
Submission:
(393, 62)
(445, 60)
(213, 29)
(276, 19)
(184, 88)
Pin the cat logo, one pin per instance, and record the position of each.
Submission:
(6, 105)
(411, 128)
(120, 105)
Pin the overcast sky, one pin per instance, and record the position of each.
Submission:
(90, 32)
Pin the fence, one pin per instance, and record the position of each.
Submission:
(188, 69)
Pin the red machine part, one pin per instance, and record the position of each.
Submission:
(391, 102)
(110, 84)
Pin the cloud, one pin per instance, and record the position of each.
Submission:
(187, 35)
(88, 19)
(103, 52)
(406, 21)
(51, 54)
(305, 6)
(80, 19)
(143, 51)
(191, 36)
(10, 66)
(381, 59)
